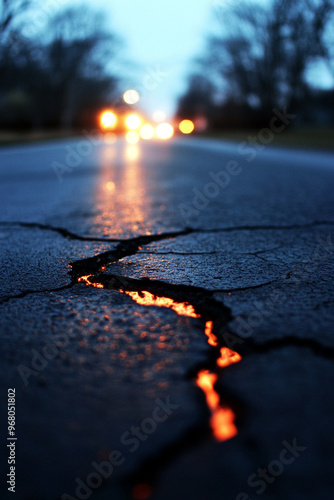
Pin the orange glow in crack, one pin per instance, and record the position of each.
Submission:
(85, 279)
(227, 356)
(222, 424)
(222, 419)
(208, 332)
(148, 299)
(142, 491)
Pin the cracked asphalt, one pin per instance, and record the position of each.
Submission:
(248, 250)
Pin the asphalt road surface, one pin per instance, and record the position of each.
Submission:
(167, 321)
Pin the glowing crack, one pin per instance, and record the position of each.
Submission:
(222, 417)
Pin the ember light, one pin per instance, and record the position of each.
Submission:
(222, 417)
(133, 122)
(148, 299)
(86, 280)
(186, 127)
(146, 131)
(110, 186)
(131, 96)
(165, 131)
(108, 120)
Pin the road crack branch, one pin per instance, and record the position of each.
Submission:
(30, 292)
(151, 238)
(63, 232)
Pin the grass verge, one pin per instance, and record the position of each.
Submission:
(308, 138)
(13, 137)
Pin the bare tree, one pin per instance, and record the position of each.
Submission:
(198, 99)
(62, 75)
(263, 52)
(77, 55)
(10, 11)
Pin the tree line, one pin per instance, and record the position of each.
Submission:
(57, 75)
(262, 56)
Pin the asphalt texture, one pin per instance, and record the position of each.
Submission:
(115, 259)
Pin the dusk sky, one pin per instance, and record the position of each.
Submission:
(161, 40)
(160, 36)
